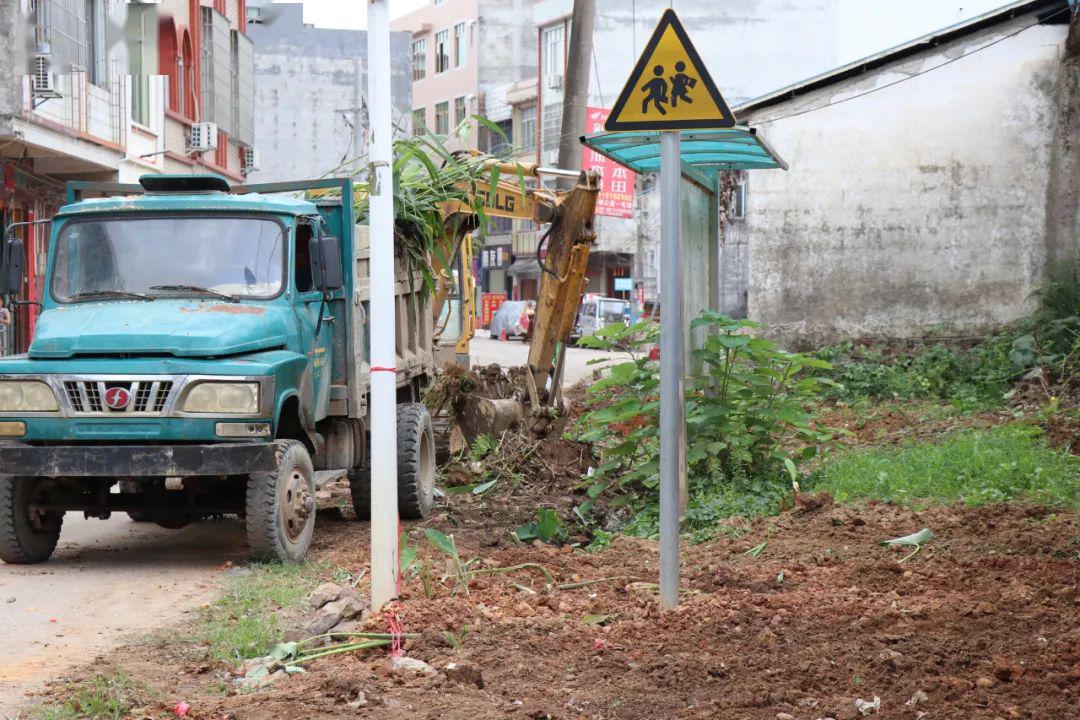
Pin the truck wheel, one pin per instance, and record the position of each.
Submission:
(280, 506)
(360, 489)
(25, 537)
(416, 461)
(140, 516)
(416, 467)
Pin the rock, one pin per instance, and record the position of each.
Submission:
(359, 702)
(412, 666)
(918, 697)
(867, 707)
(465, 675)
(10, 600)
(784, 716)
(985, 682)
(766, 638)
(349, 626)
(323, 620)
(349, 606)
(257, 682)
(325, 593)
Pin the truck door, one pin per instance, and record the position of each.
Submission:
(308, 306)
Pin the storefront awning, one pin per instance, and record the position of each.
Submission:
(705, 153)
(524, 266)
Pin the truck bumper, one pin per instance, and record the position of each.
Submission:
(136, 460)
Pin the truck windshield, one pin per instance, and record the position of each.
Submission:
(612, 310)
(175, 256)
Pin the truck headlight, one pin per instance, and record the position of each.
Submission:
(223, 397)
(26, 396)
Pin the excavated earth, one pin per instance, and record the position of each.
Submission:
(984, 622)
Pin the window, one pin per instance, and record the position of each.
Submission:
(528, 127)
(442, 118)
(552, 125)
(302, 267)
(459, 45)
(459, 110)
(216, 71)
(419, 121)
(499, 144)
(419, 59)
(239, 256)
(75, 31)
(552, 46)
(442, 51)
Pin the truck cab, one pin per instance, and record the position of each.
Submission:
(202, 350)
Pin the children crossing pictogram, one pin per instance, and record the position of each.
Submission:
(670, 88)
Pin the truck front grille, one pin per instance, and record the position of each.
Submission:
(141, 396)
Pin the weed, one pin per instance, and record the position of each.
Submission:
(108, 696)
(746, 423)
(458, 569)
(601, 540)
(243, 622)
(1009, 462)
(547, 528)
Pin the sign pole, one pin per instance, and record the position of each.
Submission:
(672, 397)
(383, 398)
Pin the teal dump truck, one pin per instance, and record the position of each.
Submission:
(202, 350)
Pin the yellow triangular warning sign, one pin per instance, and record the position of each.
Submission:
(669, 89)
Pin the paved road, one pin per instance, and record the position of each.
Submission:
(507, 353)
(111, 579)
(108, 580)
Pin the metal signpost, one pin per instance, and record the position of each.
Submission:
(383, 412)
(670, 90)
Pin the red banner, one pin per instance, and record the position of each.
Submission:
(616, 182)
(489, 303)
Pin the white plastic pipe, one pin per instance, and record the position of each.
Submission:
(672, 399)
(383, 394)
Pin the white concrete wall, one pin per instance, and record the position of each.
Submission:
(923, 204)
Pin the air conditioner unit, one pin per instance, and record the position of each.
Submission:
(554, 82)
(43, 79)
(251, 160)
(202, 137)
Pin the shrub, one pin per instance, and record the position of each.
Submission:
(747, 426)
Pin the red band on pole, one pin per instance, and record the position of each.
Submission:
(376, 368)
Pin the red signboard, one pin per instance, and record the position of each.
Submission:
(489, 303)
(616, 182)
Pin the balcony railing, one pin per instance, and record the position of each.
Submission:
(83, 109)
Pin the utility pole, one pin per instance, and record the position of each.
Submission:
(385, 567)
(576, 95)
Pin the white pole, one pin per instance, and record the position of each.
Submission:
(672, 399)
(383, 398)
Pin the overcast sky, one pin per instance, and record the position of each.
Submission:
(866, 26)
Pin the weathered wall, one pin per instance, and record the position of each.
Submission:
(12, 57)
(1063, 197)
(923, 204)
(304, 78)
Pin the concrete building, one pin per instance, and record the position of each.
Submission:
(207, 59)
(72, 107)
(461, 50)
(749, 47)
(929, 185)
(310, 88)
(110, 90)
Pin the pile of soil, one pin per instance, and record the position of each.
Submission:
(984, 622)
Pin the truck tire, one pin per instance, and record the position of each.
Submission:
(416, 467)
(280, 507)
(25, 540)
(416, 461)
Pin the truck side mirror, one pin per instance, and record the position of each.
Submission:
(327, 272)
(11, 268)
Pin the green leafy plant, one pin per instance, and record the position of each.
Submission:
(747, 424)
(457, 568)
(547, 528)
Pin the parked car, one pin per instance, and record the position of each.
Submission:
(513, 319)
(597, 312)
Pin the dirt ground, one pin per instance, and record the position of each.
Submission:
(984, 622)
